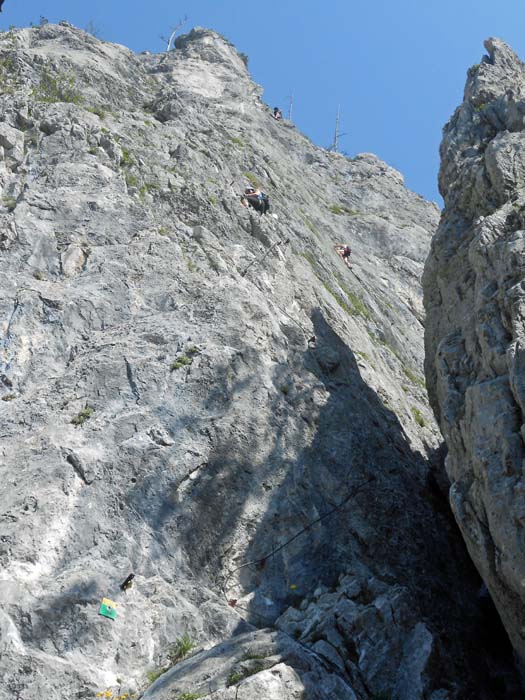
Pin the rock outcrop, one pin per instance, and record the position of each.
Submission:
(475, 331)
(212, 400)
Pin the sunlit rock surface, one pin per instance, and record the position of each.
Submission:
(188, 387)
(475, 301)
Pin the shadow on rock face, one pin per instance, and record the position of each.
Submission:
(359, 560)
(394, 537)
(355, 551)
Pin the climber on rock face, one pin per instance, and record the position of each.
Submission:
(277, 114)
(344, 252)
(256, 199)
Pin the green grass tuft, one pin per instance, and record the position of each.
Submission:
(97, 110)
(84, 415)
(126, 159)
(9, 203)
(9, 75)
(182, 648)
(234, 678)
(310, 258)
(359, 308)
(249, 656)
(146, 188)
(181, 361)
(131, 180)
(156, 673)
(356, 306)
(252, 179)
(418, 416)
(414, 378)
(338, 299)
(60, 87)
(238, 676)
(339, 209)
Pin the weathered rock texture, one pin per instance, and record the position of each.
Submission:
(167, 409)
(475, 331)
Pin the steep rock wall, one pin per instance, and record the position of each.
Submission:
(187, 387)
(474, 300)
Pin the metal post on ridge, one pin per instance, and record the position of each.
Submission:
(337, 135)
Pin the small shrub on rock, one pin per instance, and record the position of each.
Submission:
(182, 361)
(182, 648)
(418, 416)
(84, 415)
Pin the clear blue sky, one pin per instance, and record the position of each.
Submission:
(396, 67)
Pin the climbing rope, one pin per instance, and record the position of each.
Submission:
(282, 546)
(260, 260)
(323, 661)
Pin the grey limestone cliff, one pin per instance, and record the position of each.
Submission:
(474, 298)
(188, 387)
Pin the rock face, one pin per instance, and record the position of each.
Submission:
(211, 400)
(475, 332)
